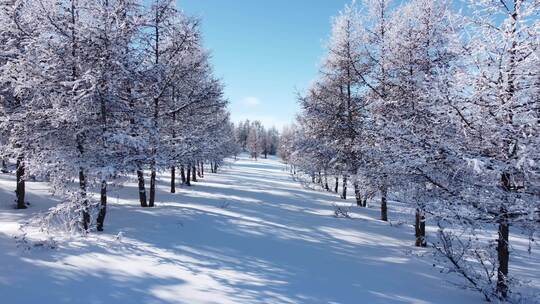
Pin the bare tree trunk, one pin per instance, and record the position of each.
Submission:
(85, 211)
(151, 200)
(384, 205)
(344, 187)
(4, 166)
(173, 179)
(103, 207)
(336, 188)
(182, 174)
(194, 173)
(503, 256)
(358, 194)
(82, 187)
(198, 165)
(326, 187)
(188, 176)
(173, 167)
(20, 187)
(202, 169)
(142, 189)
(420, 228)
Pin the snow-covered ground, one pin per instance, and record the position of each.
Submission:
(247, 235)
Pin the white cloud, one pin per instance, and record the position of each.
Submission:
(251, 101)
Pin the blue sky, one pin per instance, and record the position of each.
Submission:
(265, 51)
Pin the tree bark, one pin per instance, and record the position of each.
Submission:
(503, 256)
(103, 207)
(151, 200)
(188, 176)
(182, 174)
(194, 174)
(85, 211)
(82, 189)
(4, 166)
(336, 188)
(420, 228)
(344, 188)
(198, 165)
(384, 204)
(173, 179)
(173, 167)
(142, 189)
(358, 194)
(20, 187)
(326, 187)
(202, 169)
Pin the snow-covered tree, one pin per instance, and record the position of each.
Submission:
(242, 133)
(495, 147)
(256, 139)
(443, 110)
(95, 89)
(16, 31)
(273, 141)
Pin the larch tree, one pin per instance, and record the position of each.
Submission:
(170, 34)
(92, 90)
(255, 140)
(495, 115)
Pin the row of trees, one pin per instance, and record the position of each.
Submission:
(422, 104)
(95, 89)
(252, 136)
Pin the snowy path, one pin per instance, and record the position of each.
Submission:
(247, 235)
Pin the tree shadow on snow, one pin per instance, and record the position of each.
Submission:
(247, 235)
